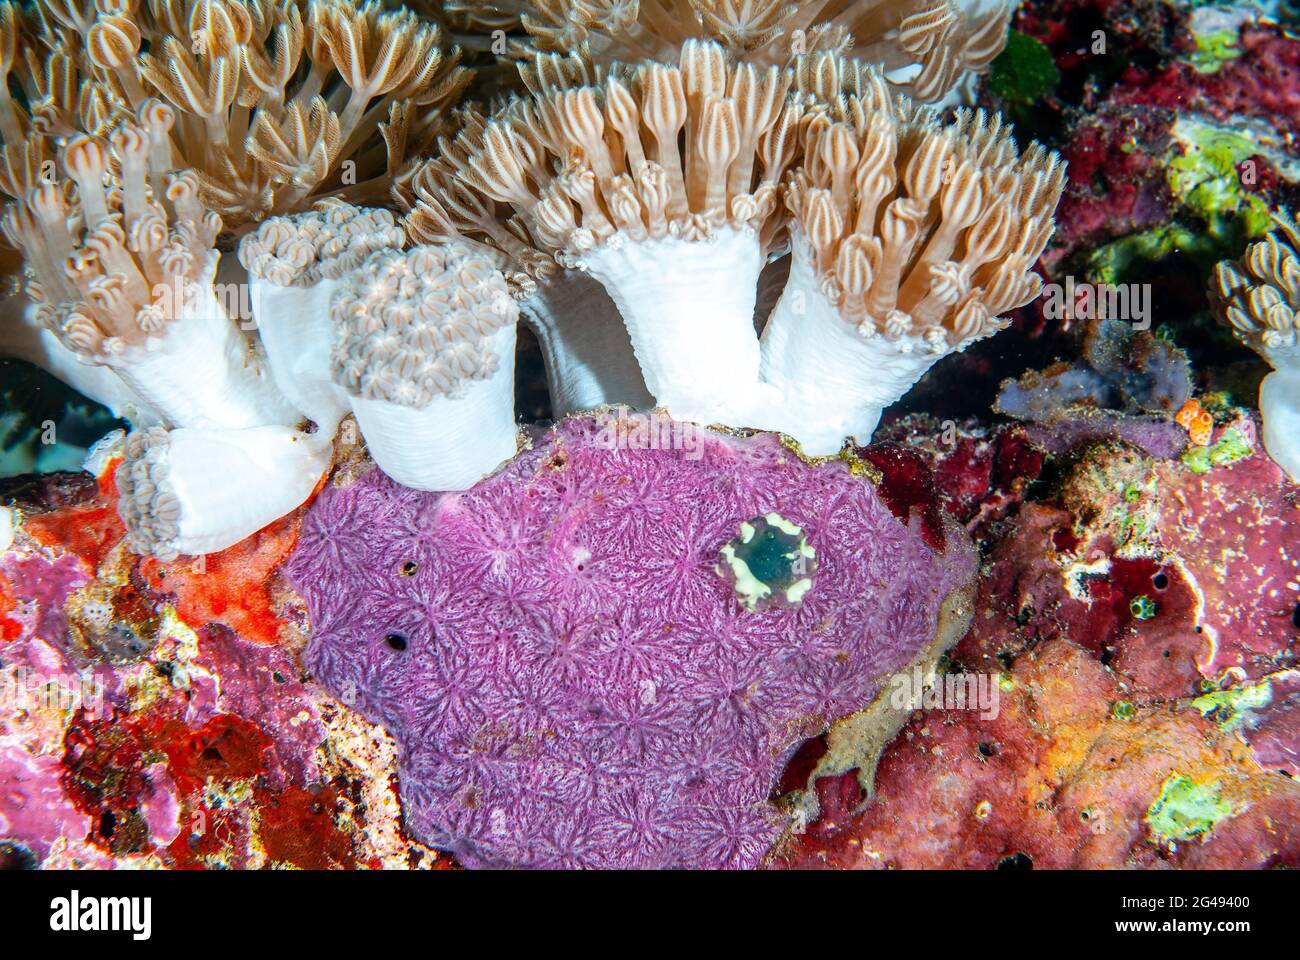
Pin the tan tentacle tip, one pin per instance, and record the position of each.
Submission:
(156, 116)
(113, 42)
(563, 158)
(130, 141)
(922, 231)
(417, 325)
(146, 503)
(324, 243)
(1259, 296)
(85, 158)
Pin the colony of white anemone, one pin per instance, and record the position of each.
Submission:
(674, 185)
(931, 50)
(628, 208)
(1259, 296)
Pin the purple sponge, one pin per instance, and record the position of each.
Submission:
(574, 672)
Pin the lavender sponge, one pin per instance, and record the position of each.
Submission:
(575, 673)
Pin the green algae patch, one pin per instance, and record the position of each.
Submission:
(1207, 176)
(1112, 262)
(1024, 71)
(1216, 30)
(1213, 50)
(1231, 447)
(1209, 172)
(769, 561)
(1229, 708)
(1186, 810)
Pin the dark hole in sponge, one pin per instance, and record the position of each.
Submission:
(1160, 581)
(395, 641)
(1017, 861)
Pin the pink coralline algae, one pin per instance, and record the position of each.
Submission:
(570, 678)
(32, 804)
